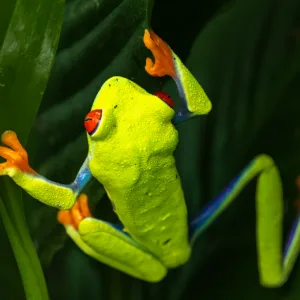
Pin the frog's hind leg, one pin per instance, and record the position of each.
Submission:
(194, 99)
(108, 244)
(275, 266)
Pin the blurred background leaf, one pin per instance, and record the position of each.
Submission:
(28, 38)
(246, 55)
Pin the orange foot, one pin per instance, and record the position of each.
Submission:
(76, 214)
(16, 156)
(162, 54)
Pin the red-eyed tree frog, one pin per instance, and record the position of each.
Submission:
(131, 136)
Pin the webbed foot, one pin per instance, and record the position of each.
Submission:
(16, 156)
(162, 53)
(76, 214)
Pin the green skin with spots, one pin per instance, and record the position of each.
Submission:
(131, 154)
(141, 179)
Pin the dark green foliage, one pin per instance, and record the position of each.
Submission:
(29, 36)
(246, 54)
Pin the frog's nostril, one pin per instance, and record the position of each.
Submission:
(166, 241)
(92, 121)
(166, 98)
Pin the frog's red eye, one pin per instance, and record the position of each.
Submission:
(166, 98)
(92, 120)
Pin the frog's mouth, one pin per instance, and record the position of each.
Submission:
(92, 121)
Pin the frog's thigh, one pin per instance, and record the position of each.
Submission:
(106, 244)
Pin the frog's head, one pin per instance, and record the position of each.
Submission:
(121, 105)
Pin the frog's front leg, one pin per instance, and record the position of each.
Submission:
(109, 244)
(42, 189)
(194, 99)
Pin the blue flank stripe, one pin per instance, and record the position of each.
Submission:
(291, 238)
(214, 208)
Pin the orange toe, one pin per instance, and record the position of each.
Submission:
(162, 53)
(8, 154)
(64, 217)
(76, 214)
(9, 138)
(15, 155)
(83, 204)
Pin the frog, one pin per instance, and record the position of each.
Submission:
(132, 136)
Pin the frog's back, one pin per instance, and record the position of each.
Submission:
(155, 214)
(137, 168)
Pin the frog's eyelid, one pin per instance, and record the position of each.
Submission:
(99, 122)
(96, 128)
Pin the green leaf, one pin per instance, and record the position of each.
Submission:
(27, 51)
